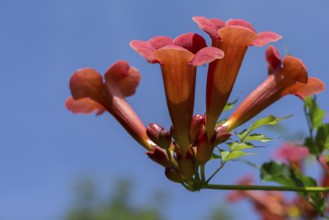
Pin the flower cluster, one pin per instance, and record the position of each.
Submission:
(190, 141)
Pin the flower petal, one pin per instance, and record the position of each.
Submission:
(290, 152)
(160, 41)
(143, 48)
(190, 41)
(146, 48)
(313, 86)
(293, 68)
(265, 38)
(159, 156)
(84, 106)
(240, 23)
(217, 22)
(237, 36)
(122, 79)
(273, 59)
(86, 82)
(210, 26)
(207, 55)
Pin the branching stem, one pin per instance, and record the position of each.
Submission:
(266, 188)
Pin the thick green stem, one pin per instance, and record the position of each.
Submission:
(266, 188)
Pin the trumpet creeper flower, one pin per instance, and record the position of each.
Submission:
(90, 93)
(287, 77)
(233, 37)
(178, 59)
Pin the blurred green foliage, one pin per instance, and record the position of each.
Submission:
(91, 206)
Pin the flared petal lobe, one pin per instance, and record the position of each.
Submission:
(90, 94)
(84, 106)
(146, 48)
(87, 82)
(122, 79)
(291, 78)
(233, 37)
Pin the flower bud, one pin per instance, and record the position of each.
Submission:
(220, 135)
(186, 164)
(204, 149)
(165, 139)
(159, 156)
(197, 126)
(173, 174)
(153, 132)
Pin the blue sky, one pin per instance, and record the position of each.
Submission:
(44, 148)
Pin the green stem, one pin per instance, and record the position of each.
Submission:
(309, 122)
(311, 130)
(219, 168)
(266, 188)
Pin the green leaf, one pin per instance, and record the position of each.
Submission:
(226, 155)
(243, 134)
(315, 113)
(269, 120)
(248, 163)
(215, 156)
(258, 137)
(309, 143)
(236, 146)
(230, 105)
(322, 137)
(314, 198)
(279, 173)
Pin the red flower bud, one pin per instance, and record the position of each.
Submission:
(173, 174)
(159, 156)
(153, 132)
(197, 126)
(186, 164)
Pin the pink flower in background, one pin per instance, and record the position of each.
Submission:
(291, 153)
(270, 205)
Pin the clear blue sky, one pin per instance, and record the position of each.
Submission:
(44, 148)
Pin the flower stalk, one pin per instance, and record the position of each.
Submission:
(265, 188)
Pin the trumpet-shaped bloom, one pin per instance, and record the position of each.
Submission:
(233, 37)
(287, 77)
(178, 59)
(91, 94)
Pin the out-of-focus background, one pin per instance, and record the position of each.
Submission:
(56, 165)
